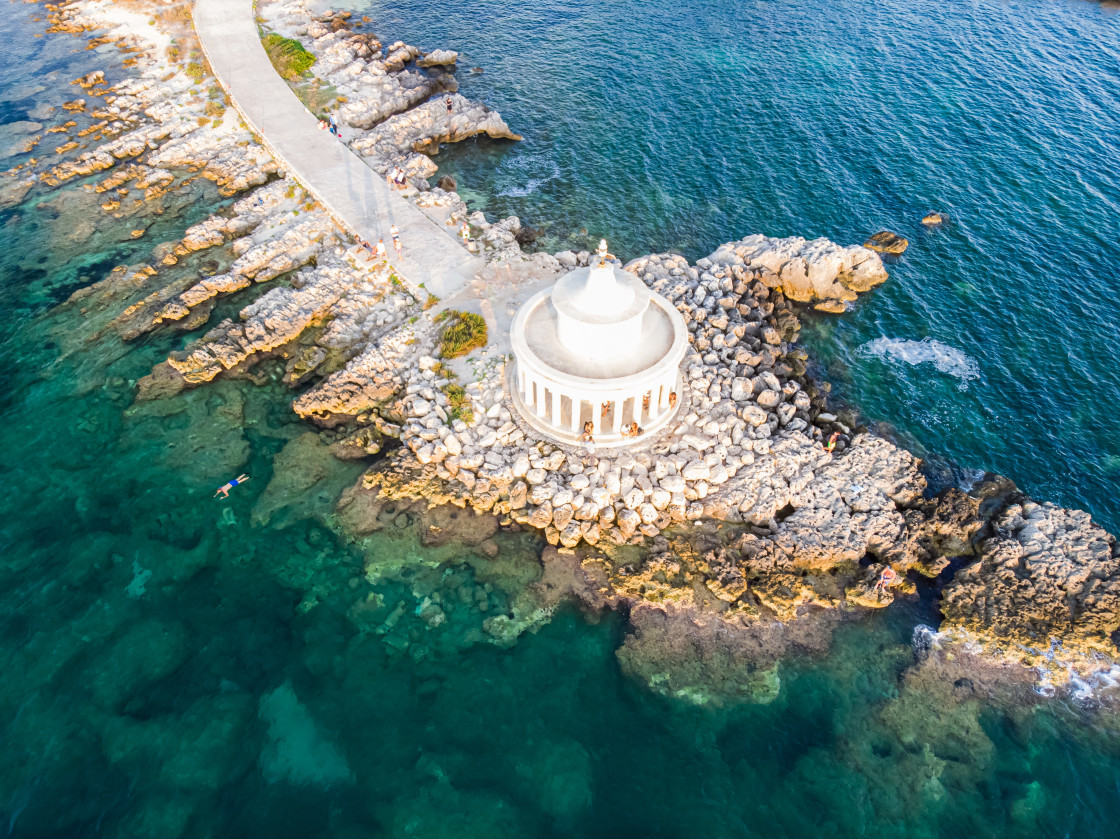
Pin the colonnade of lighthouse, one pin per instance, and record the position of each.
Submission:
(598, 354)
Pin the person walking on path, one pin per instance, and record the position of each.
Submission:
(396, 241)
(333, 120)
(224, 490)
(381, 254)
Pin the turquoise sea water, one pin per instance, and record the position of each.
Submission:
(679, 126)
(178, 666)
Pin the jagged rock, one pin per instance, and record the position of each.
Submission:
(437, 58)
(425, 127)
(1045, 572)
(886, 242)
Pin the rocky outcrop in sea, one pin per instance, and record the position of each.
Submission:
(735, 517)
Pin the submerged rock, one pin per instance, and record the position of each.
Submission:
(298, 752)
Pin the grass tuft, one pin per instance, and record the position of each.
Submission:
(288, 56)
(457, 402)
(462, 332)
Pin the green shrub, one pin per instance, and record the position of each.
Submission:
(288, 56)
(457, 402)
(462, 332)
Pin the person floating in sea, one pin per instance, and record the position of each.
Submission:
(396, 241)
(831, 444)
(224, 490)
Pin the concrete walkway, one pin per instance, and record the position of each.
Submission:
(353, 193)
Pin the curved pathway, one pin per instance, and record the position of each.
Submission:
(352, 192)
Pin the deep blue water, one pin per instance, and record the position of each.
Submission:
(682, 125)
(178, 666)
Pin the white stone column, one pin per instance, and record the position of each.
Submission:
(577, 409)
(539, 407)
(596, 417)
(616, 413)
(662, 394)
(554, 408)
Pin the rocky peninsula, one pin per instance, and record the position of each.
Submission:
(731, 537)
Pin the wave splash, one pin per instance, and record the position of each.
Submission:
(947, 360)
(534, 170)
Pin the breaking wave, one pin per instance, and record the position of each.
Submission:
(532, 170)
(947, 360)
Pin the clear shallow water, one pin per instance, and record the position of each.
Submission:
(679, 126)
(176, 665)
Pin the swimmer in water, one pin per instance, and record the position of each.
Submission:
(224, 490)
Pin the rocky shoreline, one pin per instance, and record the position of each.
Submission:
(734, 518)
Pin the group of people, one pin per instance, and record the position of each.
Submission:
(330, 124)
(379, 251)
(396, 178)
(632, 430)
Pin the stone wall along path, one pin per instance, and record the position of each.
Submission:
(351, 191)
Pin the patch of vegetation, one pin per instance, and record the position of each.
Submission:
(431, 301)
(288, 56)
(215, 109)
(317, 96)
(458, 404)
(196, 72)
(441, 369)
(462, 333)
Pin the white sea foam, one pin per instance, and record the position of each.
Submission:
(539, 169)
(969, 478)
(946, 359)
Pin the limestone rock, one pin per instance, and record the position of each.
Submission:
(1046, 572)
(886, 242)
